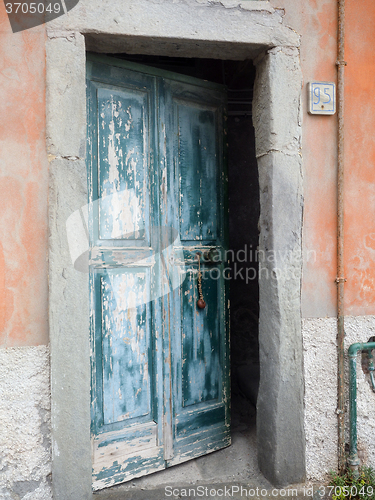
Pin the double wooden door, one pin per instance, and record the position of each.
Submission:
(157, 193)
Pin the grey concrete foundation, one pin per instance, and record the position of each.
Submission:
(189, 28)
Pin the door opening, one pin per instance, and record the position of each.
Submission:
(238, 77)
(244, 209)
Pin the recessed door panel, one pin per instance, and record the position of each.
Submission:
(126, 339)
(200, 341)
(197, 159)
(122, 131)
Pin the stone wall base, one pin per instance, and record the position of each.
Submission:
(25, 415)
(320, 366)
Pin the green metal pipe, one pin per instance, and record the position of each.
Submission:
(353, 460)
(371, 369)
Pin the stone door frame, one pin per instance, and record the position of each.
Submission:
(251, 29)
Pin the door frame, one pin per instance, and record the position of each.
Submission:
(277, 122)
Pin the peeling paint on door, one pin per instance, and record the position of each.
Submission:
(160, 365)
(122, 163)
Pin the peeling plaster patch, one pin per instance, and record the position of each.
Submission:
(259, 6)
(22, 488)
(25, 423)
(369, 241)
(68, 35)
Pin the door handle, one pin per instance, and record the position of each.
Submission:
(212, 256)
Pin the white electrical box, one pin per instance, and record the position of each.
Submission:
(321, 98)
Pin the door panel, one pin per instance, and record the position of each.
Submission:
(127, 417)
(122, 178)
(125, 420)
(126, 340)
(200, 344)
(160, 365)
(197, 162)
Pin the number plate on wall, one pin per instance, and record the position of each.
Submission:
(322, 98)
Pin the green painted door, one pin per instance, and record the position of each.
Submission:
(157, 193)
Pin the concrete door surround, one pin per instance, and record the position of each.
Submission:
(187, 28)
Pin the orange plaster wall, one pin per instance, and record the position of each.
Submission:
(23, 187)
(24, 169)
(360, 157)
(316, 21)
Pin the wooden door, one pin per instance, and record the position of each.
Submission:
(157, 193)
